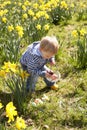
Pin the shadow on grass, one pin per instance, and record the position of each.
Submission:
(42, 91)
(5, 97)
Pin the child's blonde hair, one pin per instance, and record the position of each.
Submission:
(49, 44)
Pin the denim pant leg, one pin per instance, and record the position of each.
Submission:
(48, 83)
(31, 81)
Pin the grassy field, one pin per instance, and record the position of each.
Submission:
(62, 109)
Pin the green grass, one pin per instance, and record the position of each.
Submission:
(66, 109)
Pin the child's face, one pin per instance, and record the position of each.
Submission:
(46, 55)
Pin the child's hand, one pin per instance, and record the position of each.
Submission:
(51, 75)
(54, 76)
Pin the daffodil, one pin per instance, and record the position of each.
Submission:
(39, 14)
(30, 12)
(34, 18)
(19, 3)
(10, 28)
(24, 74)
(20, 30)
(8, 2)
(24, 7)
(20, 123)
(27, 3)
(75, 33)
(10, 111)
(64, 4)
(41, 1)
(25, 16)
(5, 11)
(2, 73)
(1, 105)
(46, 16)
(82, 32)
(38, 27)
(6, 66)
(13, 67)
(4, 19)
(46, 27)
(35, 5)
(1, 13)
(82, 5)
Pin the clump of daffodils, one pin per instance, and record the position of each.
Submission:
(9, 69)
(12, 115)
(80, 32)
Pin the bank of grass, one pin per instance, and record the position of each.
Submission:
(67, 106)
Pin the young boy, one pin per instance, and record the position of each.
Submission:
(34, 59)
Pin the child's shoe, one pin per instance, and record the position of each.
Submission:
(54, 87)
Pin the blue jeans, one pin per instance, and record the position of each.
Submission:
(32, 79)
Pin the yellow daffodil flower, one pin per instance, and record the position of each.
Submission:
(30, 12)
(4, 19)
(1, 105)
(82, 32)
(20, 30)
(20, 123)
(64, 4)
(25, 16)
(10, 111)
(10, 28)
(1, 13)
(24, 74)
(13, 67)
(46, 27)
(27, 3)
(35, 6)
(8, 66)
(46, 16)
(39, 14)
(38, 27)
(24, 7)
(75, 33)
(2, 73)
(34, 18)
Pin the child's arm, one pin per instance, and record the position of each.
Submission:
(35, 71)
